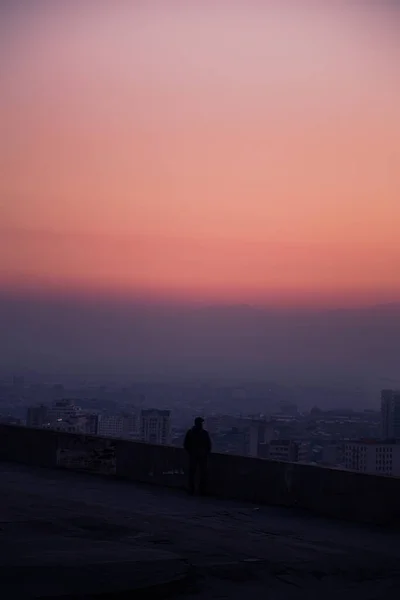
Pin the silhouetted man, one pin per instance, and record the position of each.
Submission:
(198, 445)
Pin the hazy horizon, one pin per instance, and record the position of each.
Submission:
(136, 340)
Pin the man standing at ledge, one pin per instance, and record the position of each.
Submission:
(198, 445)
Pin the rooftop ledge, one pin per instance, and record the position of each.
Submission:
(65, 533)
(332, 492)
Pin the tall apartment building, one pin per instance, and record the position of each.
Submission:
(390, 414)
(373, 457)
(155, 426)
(131, 425)
(92, 424)
(110, 425)
(257, 432)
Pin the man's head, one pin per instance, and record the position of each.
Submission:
(198, 422)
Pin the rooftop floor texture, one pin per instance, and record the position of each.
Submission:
(67, 534)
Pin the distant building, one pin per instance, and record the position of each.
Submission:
(73, 424)
(373, 457)
(390, 414)
(256, 432)
(234, 441)
(284, 450)
(155, 426)
(110, 425)
(64, 415)
(10, 420)
(37, 416)
(303, 452)
(131, 426)
(251, 437)
(62, 410)
(239, 435)
(92, 424)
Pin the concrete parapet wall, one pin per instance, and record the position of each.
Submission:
(330, 492)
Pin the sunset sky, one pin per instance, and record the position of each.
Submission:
(218, 151)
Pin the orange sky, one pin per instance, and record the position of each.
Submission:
(235, 151)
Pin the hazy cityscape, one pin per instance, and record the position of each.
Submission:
(257, 420)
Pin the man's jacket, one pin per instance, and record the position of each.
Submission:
(197, 442)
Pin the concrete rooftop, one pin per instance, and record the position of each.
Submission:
(63, 532)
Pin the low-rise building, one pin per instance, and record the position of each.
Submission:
(63, 410)
(284, 450)
(373, 456)
(73, 424)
